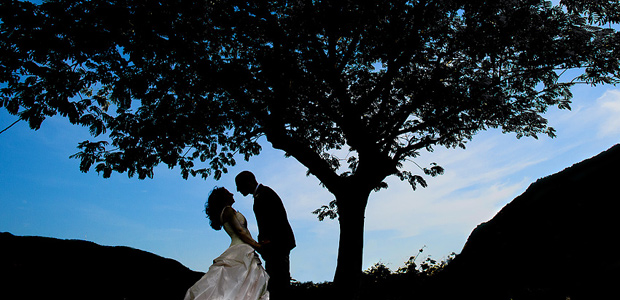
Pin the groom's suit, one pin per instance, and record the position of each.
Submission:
(275, 230)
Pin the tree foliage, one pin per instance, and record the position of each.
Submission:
(180, 82)
(195, 84)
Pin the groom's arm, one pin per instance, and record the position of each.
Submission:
(275, 226)
(266, 212)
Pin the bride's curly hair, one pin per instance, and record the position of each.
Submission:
(214, 206)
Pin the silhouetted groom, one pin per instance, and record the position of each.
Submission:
(274, 232)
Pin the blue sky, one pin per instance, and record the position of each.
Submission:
(43, 193)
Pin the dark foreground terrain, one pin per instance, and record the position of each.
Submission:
(48, 268)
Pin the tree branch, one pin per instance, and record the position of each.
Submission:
(5, 129)
(276, 134)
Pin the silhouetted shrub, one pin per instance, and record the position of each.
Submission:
(379, 282)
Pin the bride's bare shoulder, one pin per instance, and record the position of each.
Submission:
(228, 213)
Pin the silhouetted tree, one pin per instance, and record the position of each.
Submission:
(194, 83)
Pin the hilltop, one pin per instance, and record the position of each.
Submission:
(47, 268)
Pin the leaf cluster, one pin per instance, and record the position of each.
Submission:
(142, 73)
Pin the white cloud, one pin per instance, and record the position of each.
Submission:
(609, 107)
(471, 191)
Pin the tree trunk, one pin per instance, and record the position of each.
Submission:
(351, 210)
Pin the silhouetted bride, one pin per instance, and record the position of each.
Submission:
(237, 274)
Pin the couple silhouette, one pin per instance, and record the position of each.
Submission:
(238, 272)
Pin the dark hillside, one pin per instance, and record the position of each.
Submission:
(558, 239)
(48, 268)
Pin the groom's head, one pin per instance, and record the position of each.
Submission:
(246, 183)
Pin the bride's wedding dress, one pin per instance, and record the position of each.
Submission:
(237, 274)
